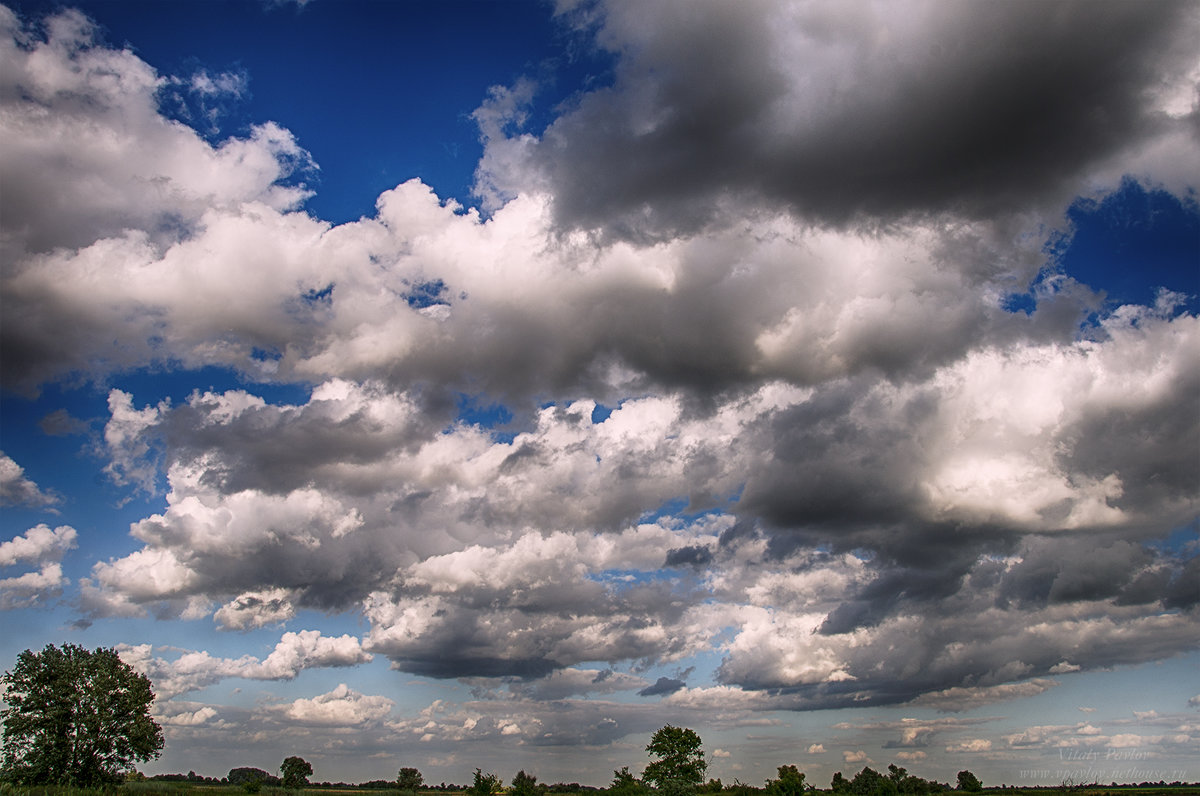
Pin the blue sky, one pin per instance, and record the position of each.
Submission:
(487, 384)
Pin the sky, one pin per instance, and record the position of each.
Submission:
(487, 384)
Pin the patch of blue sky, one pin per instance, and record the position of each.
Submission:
(493, 417)
(1181, 541)
(318, 296)
(427, 294)
(1104, 695)
(1134, 242)
(601, 413)
(618, 577)
(1127, 245)
(682, 511)
(178, 385)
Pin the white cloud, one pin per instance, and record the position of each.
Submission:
(256, 609)
(38, 544)
(309, 649)
(31, 588)
(341, 707)
(130, 167)
(295, 652)
(17, 490)
(44, 548)
(971, 745)
(962, 698)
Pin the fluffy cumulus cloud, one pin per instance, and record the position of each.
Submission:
(875, 111)
(44, 548)
(17, 490)
(768, 395)
(192, 670)
(340, 707)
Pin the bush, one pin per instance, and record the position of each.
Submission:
(524, 785)
(626, 784)
(485, 784)
(790, 782)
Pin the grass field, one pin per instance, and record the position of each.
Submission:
(150, 788)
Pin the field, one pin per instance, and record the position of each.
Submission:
(149, 788)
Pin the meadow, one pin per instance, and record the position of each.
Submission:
(153, 788)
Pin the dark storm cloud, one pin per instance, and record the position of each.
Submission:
(662, 686)
(277, 449)
(898, 589)
(1183, 591)
(1072, 570)
(851, 111)
(523, 629)
(1152, 448)
(693, 556)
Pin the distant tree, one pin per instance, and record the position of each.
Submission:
(626, 784)
(679, 762)
(75, 717)
(870, 782)
(969, 782)
(910, 785)
(251, 779)
(295, 771)
(524, 785)
(790, 782)
(409, 779)
(485, 784)
(839, 784)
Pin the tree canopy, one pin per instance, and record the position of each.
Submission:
(409, 779)
(679, 759)
(789, 783)
(295, 772)
(75, 717)
(968, 781)
(485, 784)
(524, 785)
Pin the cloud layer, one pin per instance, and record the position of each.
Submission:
(750, 309)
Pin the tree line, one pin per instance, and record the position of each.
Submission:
(82, 718)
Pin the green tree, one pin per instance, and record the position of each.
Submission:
(968, 781)
(247, 774)
(839, 784)
(790, 782)
(524, 785)
(485, 784)
(409, 779)
(295, 771)
(626, 784)
(679, 760)
(870, 782)
(75, 717)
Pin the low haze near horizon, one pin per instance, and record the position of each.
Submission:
(482, 384)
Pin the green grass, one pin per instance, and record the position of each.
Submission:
(150, 788)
